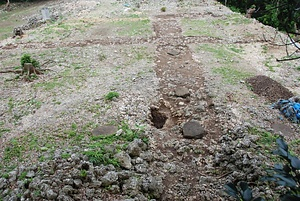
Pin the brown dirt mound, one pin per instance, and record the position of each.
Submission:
(269, 88)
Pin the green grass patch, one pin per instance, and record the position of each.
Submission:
(3, 130)
(225, 53)
(65, 155)
(23, 175)
(99, 152)
(50, 85)
(271, 63)
(196, 27)
(13, 150)
(233, 19)
(111, 95)
(232, 75)
(139, 27)
(69, 77)
(266, 139)
(227, 56)
(21, 108)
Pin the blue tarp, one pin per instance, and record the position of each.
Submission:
(289, 108)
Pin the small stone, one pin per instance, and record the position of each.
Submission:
(193, 129)
(119, 132)
(105, 130)
(131, 187)
(64, 198)
(173, 52)
(67, 189)
(3, 183)
(12, 176)
(134, 148)
(124, 160)
(68, 182)
(51, 195)
(147, 156)
(125, 174)
(114, 189)
(141, 168)
(96, 184)
(26, 194)
(90, 193)
(77, 183)
(181, 103)
(139, 160)
(153, 186)
(182, 92)
(109, 178)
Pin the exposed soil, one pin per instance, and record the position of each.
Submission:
(272, 90)
(215, 60)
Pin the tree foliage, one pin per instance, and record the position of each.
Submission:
(282, 14)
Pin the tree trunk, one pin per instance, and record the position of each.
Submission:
(7, 5)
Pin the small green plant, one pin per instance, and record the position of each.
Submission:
(98, 152)
(163, 9)
(111, 95)
(101, 156)
(13, 150)
(3, 129)
(266, 139)
(23, 175)
(5, 175)
(102, 57)
(65, 155)
(83, 174)
(241, 192)
(288, 174)
(26, 58)
(11, 104)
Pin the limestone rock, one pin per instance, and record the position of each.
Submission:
(51, 195)
(110, 178)
(131, 186)
(173, 52)
(124, 159)
(182, 92)
(105, 130)
(193, 129)
(135, 147)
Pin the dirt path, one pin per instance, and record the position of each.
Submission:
(176, 69)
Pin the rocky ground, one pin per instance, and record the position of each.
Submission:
(194, 86)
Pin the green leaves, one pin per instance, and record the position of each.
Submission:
(232, 190)
(286, 175)
(241, 192)
(111, 95)
(283, 14)
(26, 58)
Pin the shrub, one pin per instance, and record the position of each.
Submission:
(242, 192)
(288, 174)
(163, 9)
(111, 95)
(26, 58)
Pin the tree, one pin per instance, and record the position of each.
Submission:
(7, 5)
(281, 14)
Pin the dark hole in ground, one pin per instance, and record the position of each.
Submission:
(158, 119)
(85, 166)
